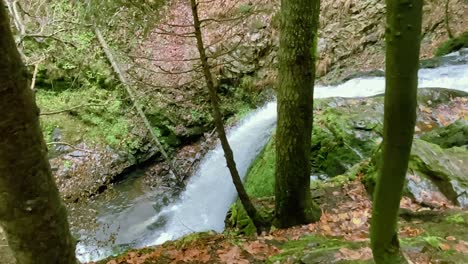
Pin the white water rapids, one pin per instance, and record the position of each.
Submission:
(210, 192)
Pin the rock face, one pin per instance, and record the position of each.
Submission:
(85, 171)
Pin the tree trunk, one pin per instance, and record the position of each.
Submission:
(260, 223)
(447, 19)
(402, 60)
(298, 41)
(31, 212)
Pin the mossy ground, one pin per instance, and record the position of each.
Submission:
(101, 119)
(452, 45)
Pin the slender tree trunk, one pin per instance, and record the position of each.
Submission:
(402, 60)
(447, 19)
(31, 212)
(295, 103)
(259, 222)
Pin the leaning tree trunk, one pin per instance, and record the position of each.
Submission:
(260, 223)
(31, 213)
(402, 61)
(295, 103)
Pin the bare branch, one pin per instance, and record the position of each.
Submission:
(163, 60)
(70, 145)
(71, 108)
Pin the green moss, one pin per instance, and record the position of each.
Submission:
(191, 238)
(239, 222)
(452, 45)
(435, 234)
(455, 134)
(312, 248)
(104, 123)
(260, 179)
(335, 145)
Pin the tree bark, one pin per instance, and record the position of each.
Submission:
(402, 61)
(295, 103)
(260, 223)
(447, 19)
(31, 212)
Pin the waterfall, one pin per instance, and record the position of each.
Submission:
(209, 193)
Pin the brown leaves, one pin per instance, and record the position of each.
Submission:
(347, 217)
(190, 255)
(462, 247)
(231, 256)
(364, 253)
(260, 250)
(350, 218)
(408, 231)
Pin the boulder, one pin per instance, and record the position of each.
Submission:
(453, 135)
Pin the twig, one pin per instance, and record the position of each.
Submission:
(71, 108)
(33, 81)
(70, 145)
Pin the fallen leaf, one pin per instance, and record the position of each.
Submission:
(451, 238)
(354, 254)
(444, 246)
(232, 256)
(462, 247)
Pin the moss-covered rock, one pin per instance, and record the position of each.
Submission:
(344, 133)
(453, 135)
(434, 174)
(260, 180)
(446, 168)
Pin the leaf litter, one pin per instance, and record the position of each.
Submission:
(348, 220)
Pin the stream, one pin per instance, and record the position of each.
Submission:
(136, 217)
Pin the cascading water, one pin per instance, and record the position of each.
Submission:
(205, 202)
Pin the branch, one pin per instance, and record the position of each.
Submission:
(70, 145)
(18, 20)
(71, 108)
(33, 81)
(134, 57)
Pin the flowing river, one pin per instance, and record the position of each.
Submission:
(139, 219)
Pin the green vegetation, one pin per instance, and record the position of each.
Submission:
(314, 249)
(455, 134)
(102, 122)
(455, 219)
(452, 45)
(260, 179)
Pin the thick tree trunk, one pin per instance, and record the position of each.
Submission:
(31, 213)
(260, 223)
(295, 103)
(402, 60)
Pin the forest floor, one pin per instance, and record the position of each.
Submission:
(435, 234)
